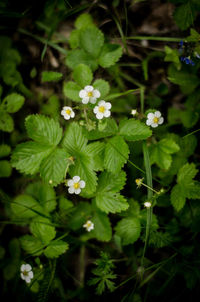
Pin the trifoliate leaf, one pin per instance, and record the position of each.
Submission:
(83, 20)
(28, 156)
(13, 102)
(42, 229)
(186, 174)
(51, 76)
(6, 122)
(110, 54)
(25, 206)
(79, 56)
(128, 229)
(102, 227)
(82, 74)
(4, 150)
(102, 86)
(53, 168)
(134, 130)
(56, 248)
(43, 129)
(91, 40)
(31, 245)
(178, 197)
(116, 154)
(5, 168)
(44, 194)
(71, 90)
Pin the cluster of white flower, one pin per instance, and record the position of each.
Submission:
(26, 272)
(75, 185)
(89, 95)
(154, 119)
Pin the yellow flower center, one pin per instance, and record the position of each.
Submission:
(90, 93)
(102, 109)
(76, 185)
(68, 111)
(155, 120)
(25, 273)
(89, 224)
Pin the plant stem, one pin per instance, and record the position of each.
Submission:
(82, 265)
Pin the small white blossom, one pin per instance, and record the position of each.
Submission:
(89, 94)
(147, 204)
(75, 185)
(26, 272)
(154, 119)
(134, 112)
(102, 110)
(67, 113)
(89, 225)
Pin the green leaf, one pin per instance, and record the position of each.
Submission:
(74, 38)
(111, 182)
(134, 130)
(28, 156)
(83, 20)
(41, 228)
(44, 194)
(5, 168)
(110, 54)
(194, 36)
(53, 169)
(116, 154)
(110, 129)
(13, 102)
(102, 86)
(178, 197)
(82, 74)
(172, 55)
(4, 150)
(71, 90)
(51, 76)
(24, 206)
(186, 174)
(192, 190)
(43, 129)
(6, 122)
(128, 229)
(102, 227)
(184, 15)
(31, 245)
(79, 56)
(168, 146)
(96, 150)
(79, 215)
(91, 40)
(56, 248)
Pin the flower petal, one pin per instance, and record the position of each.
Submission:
(96, 109)
(72, 114)
(96, 93)
(82, 184)
(108, 105)
(101, 103)
(71, 190)
(107, 113)
(154, 125)
(76, 178)
(149, 122)
(27, 279)
(66, 117)
(161, 120)
(82, 93)
(22, 276)
(85, 100)
(89, 88)
(93, 100)
(28, 267)
(157, 114)
(23, 267)
(99, 115)
(77, 191)
(30, 274)
(150, 115)
(70, 182)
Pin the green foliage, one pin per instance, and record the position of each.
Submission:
(185, 14)
(56, 248)
(134, 130)
(51, 76)
(82, 75)
(128, 229)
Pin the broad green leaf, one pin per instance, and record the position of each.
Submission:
(4, 150)
(178, 197)
(162, 159)
(65, 205)
(110, 202)
(74, 139)
(111, 182)
(74, 38)
(186, 174)
(56, 248)
(43, 129)
(42, 229)
(6, 122)
(116, 154)
(184, 15)
(110, 129)
(91, 40)
(28, 156)
(189, 117)
(128, 229)
(188, 145)
(83, 20)
(53, 168)
(102, 86)
(192, 190)
(82, 74)
(44, 194)
(79, 56)
(5, 168)
(31, 245)
(168, 146)
(13, 102)
(102, 227)
(71, 90)
(25, 206)
(110, 54)
(80, 214)
(172, 55)
(134, 130)
(194, 36)
(96, 150)
(51, 76)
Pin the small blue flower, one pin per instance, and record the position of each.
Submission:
(181, 43)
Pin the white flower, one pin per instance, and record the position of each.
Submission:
(139, 182)
(67, 113)
(89, 94)
(154, 119)
(89, 225)
(102, 110)
(75, 185)
(134, 112)
(26, 272)
(147, 204)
